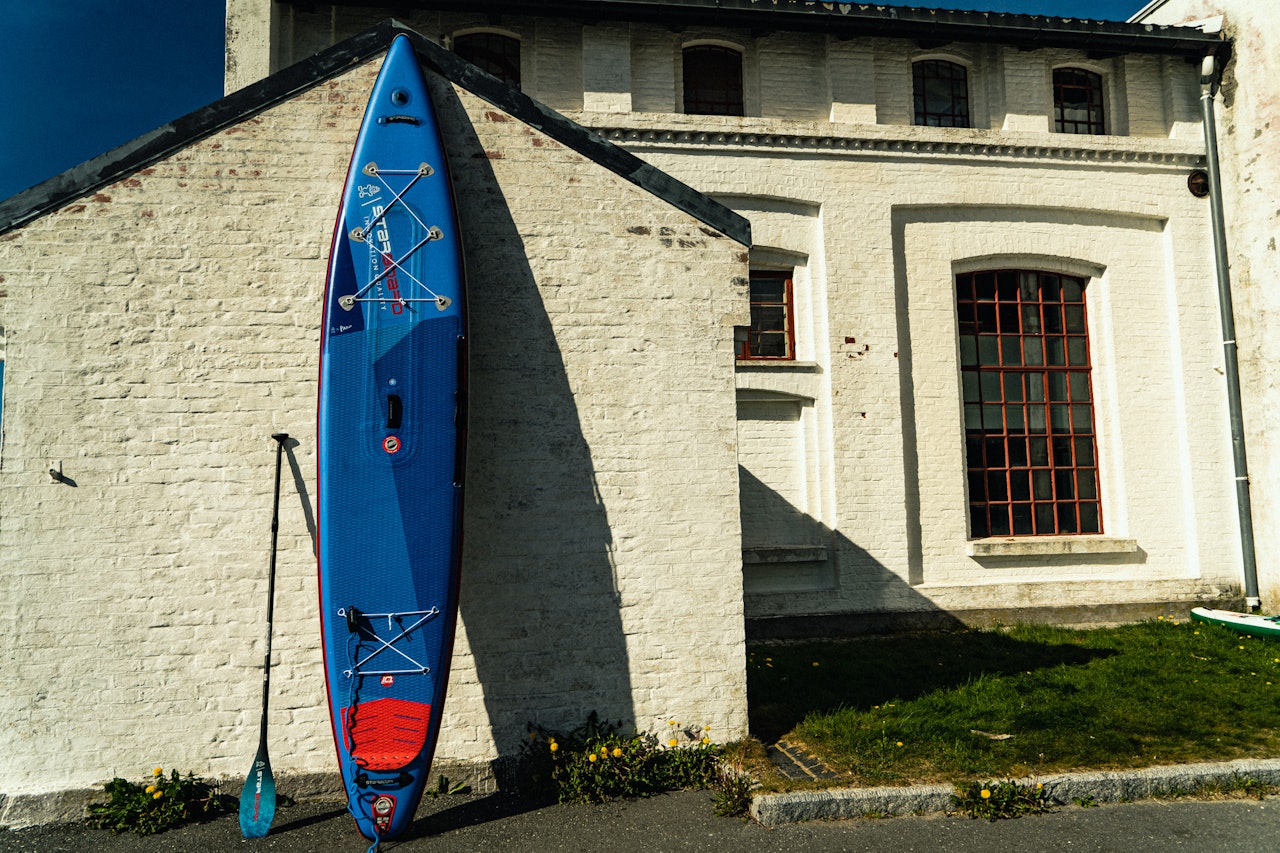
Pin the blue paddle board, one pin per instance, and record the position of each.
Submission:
(391, 427)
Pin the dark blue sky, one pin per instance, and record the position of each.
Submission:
(79, 77)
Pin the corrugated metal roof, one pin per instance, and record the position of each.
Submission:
(851, 20)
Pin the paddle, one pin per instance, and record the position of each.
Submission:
(258, 796)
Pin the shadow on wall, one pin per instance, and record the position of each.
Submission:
(539, 600)
(872, 598)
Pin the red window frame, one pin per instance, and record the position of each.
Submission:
(1077, 101)
(1030, 444)
(941, 93)
(712, 80)
(494, 53)
(771, 335)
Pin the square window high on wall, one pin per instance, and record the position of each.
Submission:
(712, 80)
(941, 93)
(494, 53)
(1030, 444)
(1077, 101)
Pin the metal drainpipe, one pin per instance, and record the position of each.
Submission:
(1210, 79)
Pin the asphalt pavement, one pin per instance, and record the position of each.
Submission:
(685, 821)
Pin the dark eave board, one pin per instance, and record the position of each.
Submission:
(854, 20)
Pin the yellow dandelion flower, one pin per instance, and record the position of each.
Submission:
(159, 771)
(1039, 786)
(592, 758)
(899, 743)
(617, 752)
(672, 723)
(554, 746)
(157, 795)
(672, 742)
(815, 663)
(707, 740)
(151, 789)
(986, 795)
(708, 728)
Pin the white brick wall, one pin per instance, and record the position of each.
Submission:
(160, 330)
(901, 210)
(1247, 115)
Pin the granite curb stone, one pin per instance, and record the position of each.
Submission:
(1105, 786)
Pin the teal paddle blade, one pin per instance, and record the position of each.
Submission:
(258, 799)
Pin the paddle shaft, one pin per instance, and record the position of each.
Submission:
(280, 438)
(257, 813)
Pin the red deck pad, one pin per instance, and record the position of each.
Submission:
(386, 734)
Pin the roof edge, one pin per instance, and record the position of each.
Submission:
(856, 19)
(139, 153)
(142, 151)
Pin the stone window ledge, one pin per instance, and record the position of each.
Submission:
(778, 364)
(785, 554)
(1050, 546)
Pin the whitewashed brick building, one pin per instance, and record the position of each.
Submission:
(888, 160)
(978, 376)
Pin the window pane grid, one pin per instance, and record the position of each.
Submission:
(771, 334)
(1028, 404)
(941, 92)
(1077, 101)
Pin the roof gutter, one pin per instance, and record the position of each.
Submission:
(1210, 80)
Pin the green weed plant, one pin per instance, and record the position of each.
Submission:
(599, 761)
(1000, 800)
(158, 804)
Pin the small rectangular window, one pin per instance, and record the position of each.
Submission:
(771, 334)
(494, 53)
(712, 81)
(941, 90)
(1077, 101)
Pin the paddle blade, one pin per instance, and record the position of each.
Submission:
(258, 799)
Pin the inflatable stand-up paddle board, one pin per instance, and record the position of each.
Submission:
(1253, 624)
(391, 427)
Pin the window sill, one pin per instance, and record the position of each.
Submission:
(785, 554)
(1050, 546)
(780, 364)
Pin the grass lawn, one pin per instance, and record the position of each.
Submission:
(955, 707)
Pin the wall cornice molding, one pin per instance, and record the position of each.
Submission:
(882, 140)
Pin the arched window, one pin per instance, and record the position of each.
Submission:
(1077, 101)
(492, 52)
(712, 80)
(1030, 445)
(941, 93)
